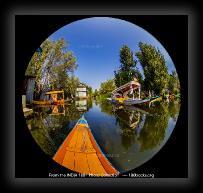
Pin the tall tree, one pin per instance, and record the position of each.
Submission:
(127, 70)
(53, 66)
(71, 85)
(154, 66)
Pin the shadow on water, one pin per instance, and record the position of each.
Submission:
(129, 136)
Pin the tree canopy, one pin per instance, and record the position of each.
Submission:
(107, 87)
(53, 67)
(127, 70)
(154, 66)
(174, 83)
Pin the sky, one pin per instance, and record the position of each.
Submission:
(96, 43)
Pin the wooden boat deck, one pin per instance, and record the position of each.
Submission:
(80, 152)
(48, 102)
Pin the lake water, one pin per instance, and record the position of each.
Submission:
(128, 136)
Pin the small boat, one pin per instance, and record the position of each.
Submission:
(56, 97)
(41, 102)
(120, 94)
(80, 152)
(135, 101)
(141, 101)
(53, 99)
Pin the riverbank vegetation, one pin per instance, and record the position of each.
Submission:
(53, 67)
(156, 80)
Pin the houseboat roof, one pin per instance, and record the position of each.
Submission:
(55, 92)
(134, 84)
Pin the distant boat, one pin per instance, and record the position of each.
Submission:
(135, 101)
(120, 94)
(80, 152)
(139, 101)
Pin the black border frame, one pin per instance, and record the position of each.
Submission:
(9, 21)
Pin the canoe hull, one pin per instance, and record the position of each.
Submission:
(80, 152)
(136, 101)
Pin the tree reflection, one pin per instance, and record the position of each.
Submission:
(152, 125)
(127, 134)
(106, 107)
(50, 125)
(89, 103)
(84, 105)
(50, 129)
(143, 126)
(128, 121)
(153, 131)
(174, 108)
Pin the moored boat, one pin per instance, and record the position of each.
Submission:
(142, 101)
(41, 102)
(135, 101)
(80, 152)
(55, 98)
(120, 94)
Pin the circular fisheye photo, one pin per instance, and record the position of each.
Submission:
(101, 96)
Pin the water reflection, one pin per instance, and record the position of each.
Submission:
(57, 110)
(130, 135)
(83, 105)
(128, 121)
(138, 134)
(154, 128)
(48, 130)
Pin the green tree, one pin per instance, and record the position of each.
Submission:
(174, 83)
(53, 66)
(127, 70)
(155, 69)
(71, 85)
(95, 93)
(107, 87)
